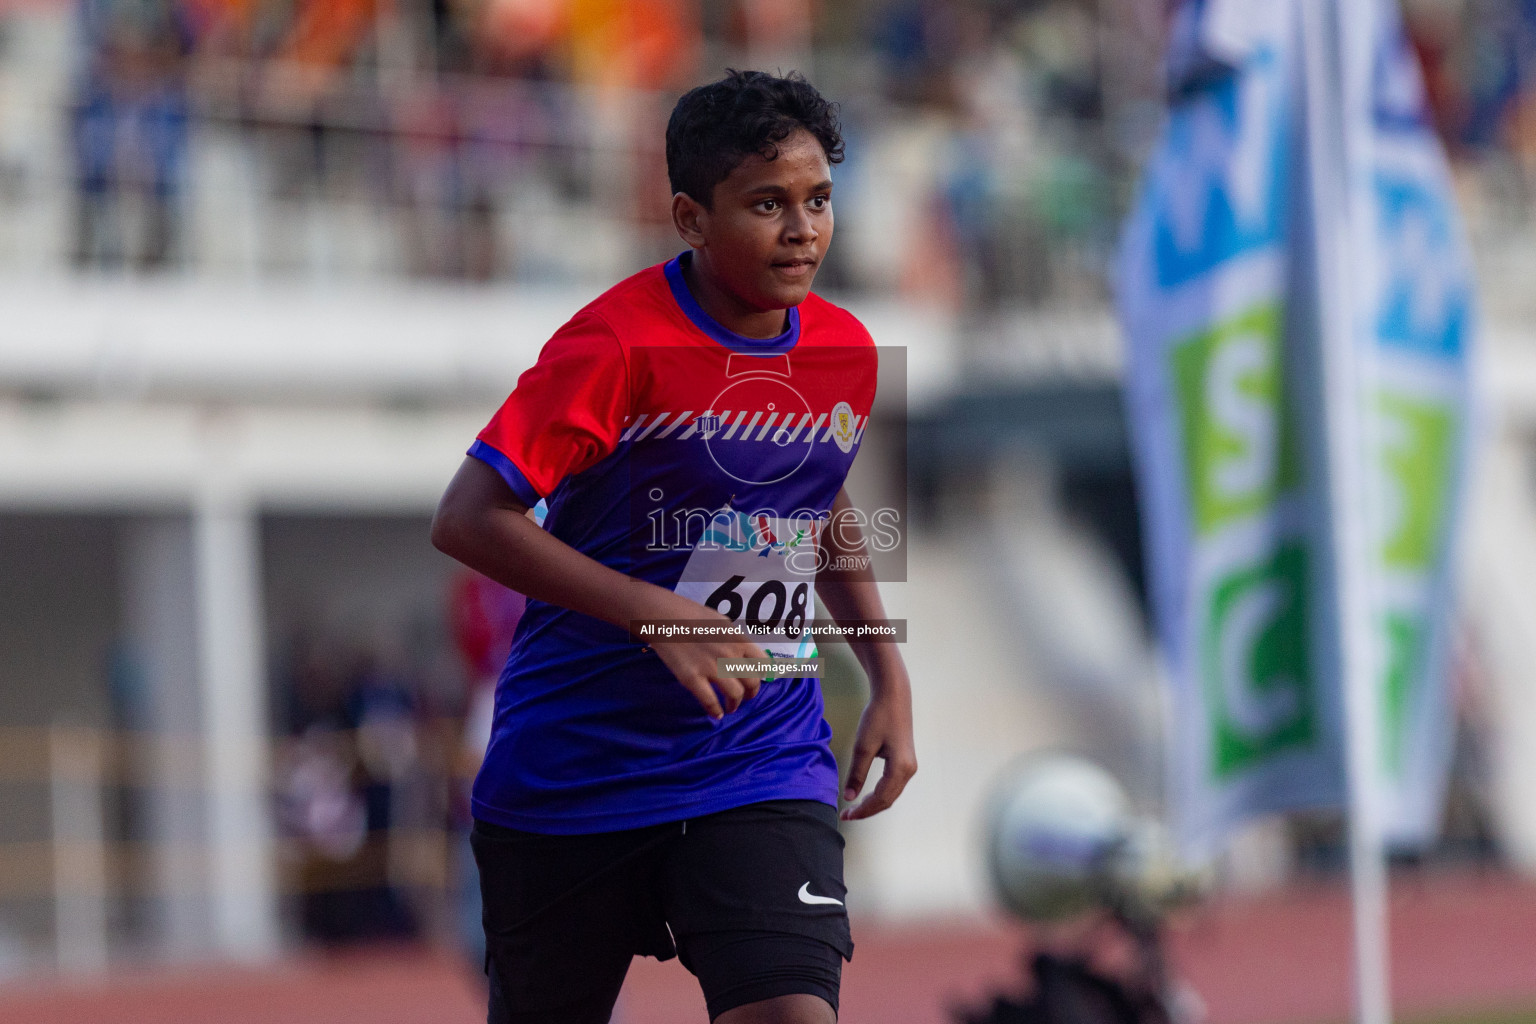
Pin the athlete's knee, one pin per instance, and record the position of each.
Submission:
(796, 1008)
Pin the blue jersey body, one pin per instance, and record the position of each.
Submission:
(676, 452)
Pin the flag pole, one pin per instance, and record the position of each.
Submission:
(1338, 41)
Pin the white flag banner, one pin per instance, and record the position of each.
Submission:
(1216, 293)
(1420, 323)
(1204, 294)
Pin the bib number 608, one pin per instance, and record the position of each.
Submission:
(782, 604)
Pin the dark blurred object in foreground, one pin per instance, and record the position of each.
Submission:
(1069, 991)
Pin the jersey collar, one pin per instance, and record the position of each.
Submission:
(712, 327)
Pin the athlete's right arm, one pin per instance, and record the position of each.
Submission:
(483, 524)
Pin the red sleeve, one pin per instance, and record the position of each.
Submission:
(565, 414)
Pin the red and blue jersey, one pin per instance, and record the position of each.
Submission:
(676, 451)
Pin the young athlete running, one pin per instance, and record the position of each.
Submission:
(689, 432)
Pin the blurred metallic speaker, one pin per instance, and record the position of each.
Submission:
(1062, 841)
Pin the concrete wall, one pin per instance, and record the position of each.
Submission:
(58, 621)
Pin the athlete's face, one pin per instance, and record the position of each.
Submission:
(762, 239)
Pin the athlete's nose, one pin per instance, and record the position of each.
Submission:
(800, 227)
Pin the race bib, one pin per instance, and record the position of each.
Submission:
(759, 571)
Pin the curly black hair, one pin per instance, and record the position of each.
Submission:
(715, 127)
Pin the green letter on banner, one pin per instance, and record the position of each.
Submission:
(1405, 670)
(1257, 667)
(1417, 436)
(1239, 451)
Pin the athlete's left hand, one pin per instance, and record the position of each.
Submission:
(885, 731)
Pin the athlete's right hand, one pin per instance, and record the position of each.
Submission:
(695, 660)
(484, 525)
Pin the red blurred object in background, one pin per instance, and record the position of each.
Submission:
(483, 615)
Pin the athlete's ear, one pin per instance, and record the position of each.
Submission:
(690, 218)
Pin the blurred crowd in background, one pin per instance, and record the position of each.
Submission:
(994, 142)
(429, 110)
(482, 139)
(379, 742)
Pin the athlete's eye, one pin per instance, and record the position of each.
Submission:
(821, 202)
(768, 205)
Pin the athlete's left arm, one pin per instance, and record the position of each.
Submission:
(847, 588)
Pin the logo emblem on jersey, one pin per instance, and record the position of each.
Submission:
(842, 426)
(707, 424)
(811, 899)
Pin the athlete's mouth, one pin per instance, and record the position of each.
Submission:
(805, 263)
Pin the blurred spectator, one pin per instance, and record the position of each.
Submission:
(324, 38)
(1432, 30)
(321, 135)
(1494, 47)
(520, 38)
(340, 789)
(635, 44)
(430, 176)
(130, 130)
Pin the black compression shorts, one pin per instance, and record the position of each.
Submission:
(753, 895)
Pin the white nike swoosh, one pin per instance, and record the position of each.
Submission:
(806, 897)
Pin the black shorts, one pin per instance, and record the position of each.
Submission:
(750, 899)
